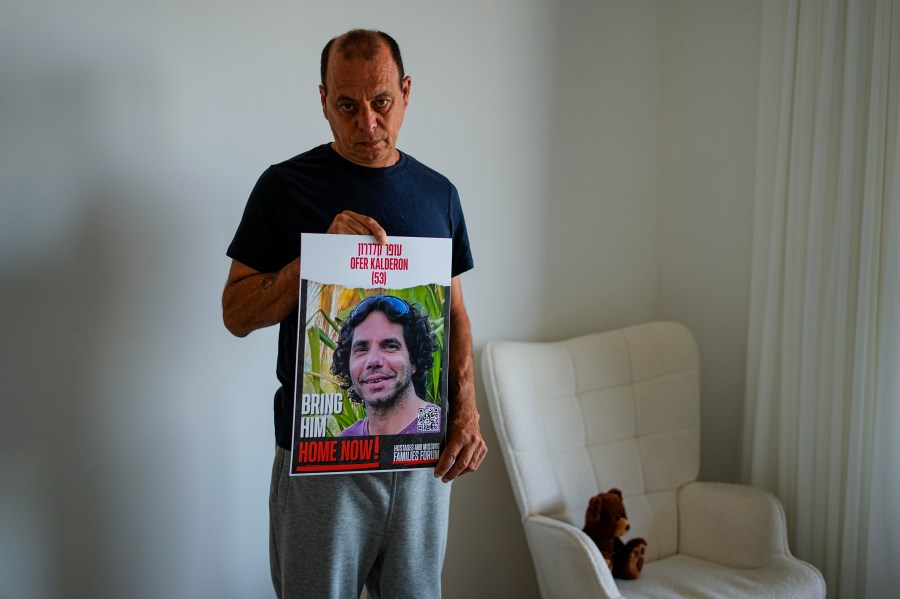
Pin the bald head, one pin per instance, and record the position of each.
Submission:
(360, 43)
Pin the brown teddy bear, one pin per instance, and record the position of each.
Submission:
(605, 522)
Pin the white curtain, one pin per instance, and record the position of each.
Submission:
(823, 391)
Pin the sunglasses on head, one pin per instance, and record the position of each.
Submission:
(395, 303)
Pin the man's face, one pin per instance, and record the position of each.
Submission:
(380, 368)
(364, 105)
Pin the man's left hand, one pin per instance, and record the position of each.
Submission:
(465, 449)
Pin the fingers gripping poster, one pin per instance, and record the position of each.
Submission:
(372, 351)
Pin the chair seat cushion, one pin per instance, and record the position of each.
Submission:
(682, 576)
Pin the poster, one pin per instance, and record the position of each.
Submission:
(372, 351)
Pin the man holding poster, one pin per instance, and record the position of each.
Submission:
(332, 535)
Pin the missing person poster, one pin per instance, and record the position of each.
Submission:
(372, 352)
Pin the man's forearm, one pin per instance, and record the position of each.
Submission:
(465, 448)
(254, 300)
(461, 381)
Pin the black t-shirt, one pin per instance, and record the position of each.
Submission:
(305, 194)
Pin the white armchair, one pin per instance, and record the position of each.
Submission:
(622, 409)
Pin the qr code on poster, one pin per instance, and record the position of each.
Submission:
(429, 419)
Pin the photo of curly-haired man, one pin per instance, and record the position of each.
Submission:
(383, 354)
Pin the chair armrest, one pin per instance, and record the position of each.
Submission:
(733, 525)
(567, 561)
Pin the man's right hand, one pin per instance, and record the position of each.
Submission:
(351, 223)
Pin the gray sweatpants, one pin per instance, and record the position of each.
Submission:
(330, 535)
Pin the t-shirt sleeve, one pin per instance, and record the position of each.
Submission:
(259, 240)
(462, 252)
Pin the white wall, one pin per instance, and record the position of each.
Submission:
(711, 50)
(135, 433)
